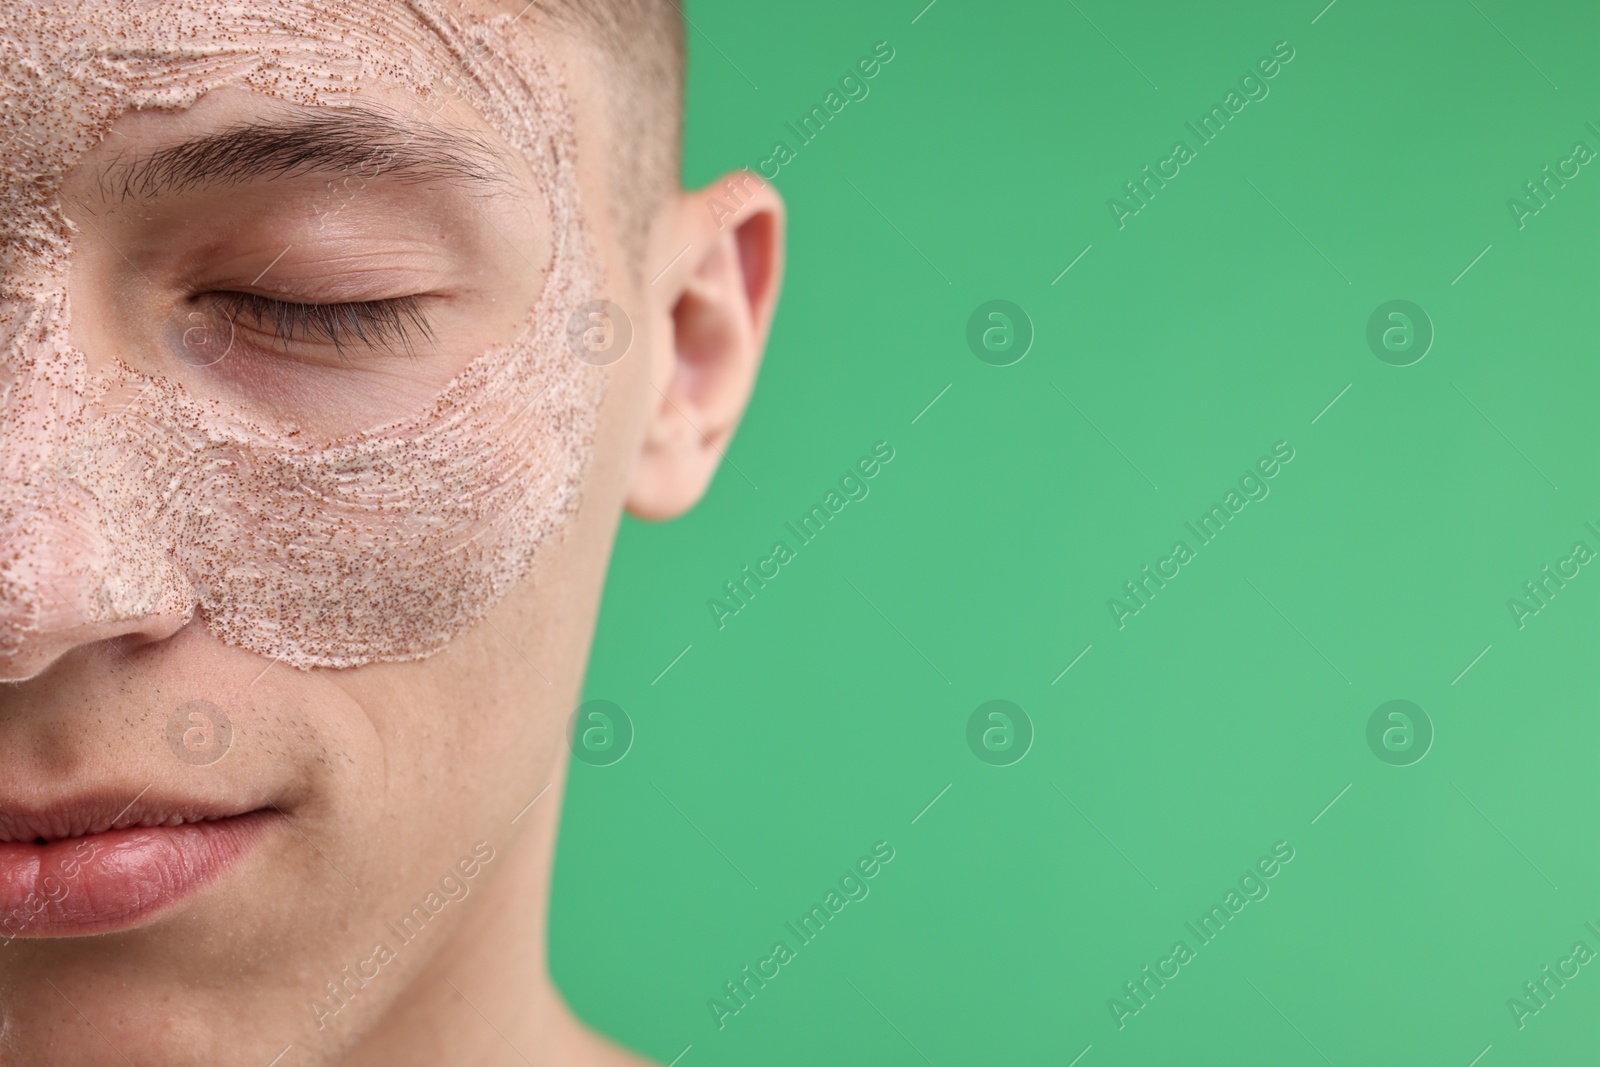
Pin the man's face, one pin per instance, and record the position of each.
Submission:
(342, 663)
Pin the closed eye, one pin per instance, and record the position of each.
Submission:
(381, 324)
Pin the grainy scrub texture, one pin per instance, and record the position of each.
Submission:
(126, 493)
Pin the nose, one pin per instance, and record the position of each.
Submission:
(83, 564)
(46, 616)
(78, 568)
(37, 652)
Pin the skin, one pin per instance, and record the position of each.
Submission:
(386, 775)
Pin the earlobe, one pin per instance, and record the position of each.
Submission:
(720, 296)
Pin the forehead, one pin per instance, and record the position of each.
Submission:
(83, 62)
(69, 69)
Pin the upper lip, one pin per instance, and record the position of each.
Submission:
(96, 813)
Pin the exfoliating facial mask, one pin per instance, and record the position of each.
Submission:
(123, 495)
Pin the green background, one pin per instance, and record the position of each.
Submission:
(1229, 713)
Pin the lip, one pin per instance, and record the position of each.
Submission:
(101, 870)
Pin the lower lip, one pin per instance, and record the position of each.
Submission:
(115, 880)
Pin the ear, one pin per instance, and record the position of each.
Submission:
(718, 298)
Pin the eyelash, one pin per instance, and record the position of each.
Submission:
(375, 323)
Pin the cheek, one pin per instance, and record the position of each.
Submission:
(383, 546)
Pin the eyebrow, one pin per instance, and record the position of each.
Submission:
(362, 140)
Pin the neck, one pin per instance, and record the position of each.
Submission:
(486, 998)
